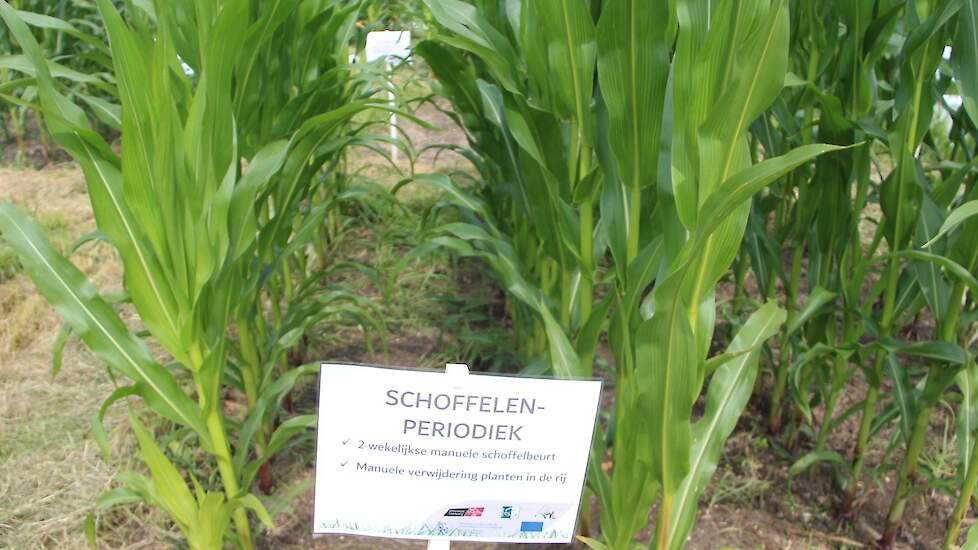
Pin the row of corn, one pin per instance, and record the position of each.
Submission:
(223, 205)
(815, 158)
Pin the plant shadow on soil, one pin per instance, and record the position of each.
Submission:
(51, 472)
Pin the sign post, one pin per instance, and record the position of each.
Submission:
(391, 46)
(451, 456)
(451, 369)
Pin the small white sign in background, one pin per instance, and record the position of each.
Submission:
(425, 455)
(393, 46)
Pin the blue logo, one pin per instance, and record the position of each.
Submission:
(510, 512)
(531, 527)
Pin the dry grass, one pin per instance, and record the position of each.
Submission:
(51, 471)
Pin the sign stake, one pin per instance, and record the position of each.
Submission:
(393, 47)
(451, 369)
(393, 118)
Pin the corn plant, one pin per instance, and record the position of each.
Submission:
(572, 108)
(904, 201)
(174, 279)
(79, 57)
(835, 100)
(196, 231)
(964, 251)
(552, 180)
(837, 84)
(851, 319)
(953, 294)
(296, 82)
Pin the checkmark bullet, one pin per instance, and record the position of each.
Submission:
(344, 463)
(347, 441)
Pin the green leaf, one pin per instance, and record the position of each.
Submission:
(964, 58)
(57, 354)
(91, 531)
(455, 194)
(594, 326)
(732, 193)
(117, 497)
(633, 68)
(242, 215)
(593, 543)
(937, 350)
(953, 268)
(933, 286)
(282, 435)
(252, 503)
(476, 35)
(958, 216)
(211, 520)
(22, 64)
(812, 458)
(967, 418)
(666, 377)
(78, 303)
(168, 484)
(729, 391)
(563, 359)
(42, 21)
(98, 428)
(816, 301)
(268, 404)
(69, 127)
(109, 114)
(903, 394)
(756, 77)
(971, 543)
(559, 40)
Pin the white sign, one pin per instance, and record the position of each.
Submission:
(427, 455)
(393, 46)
